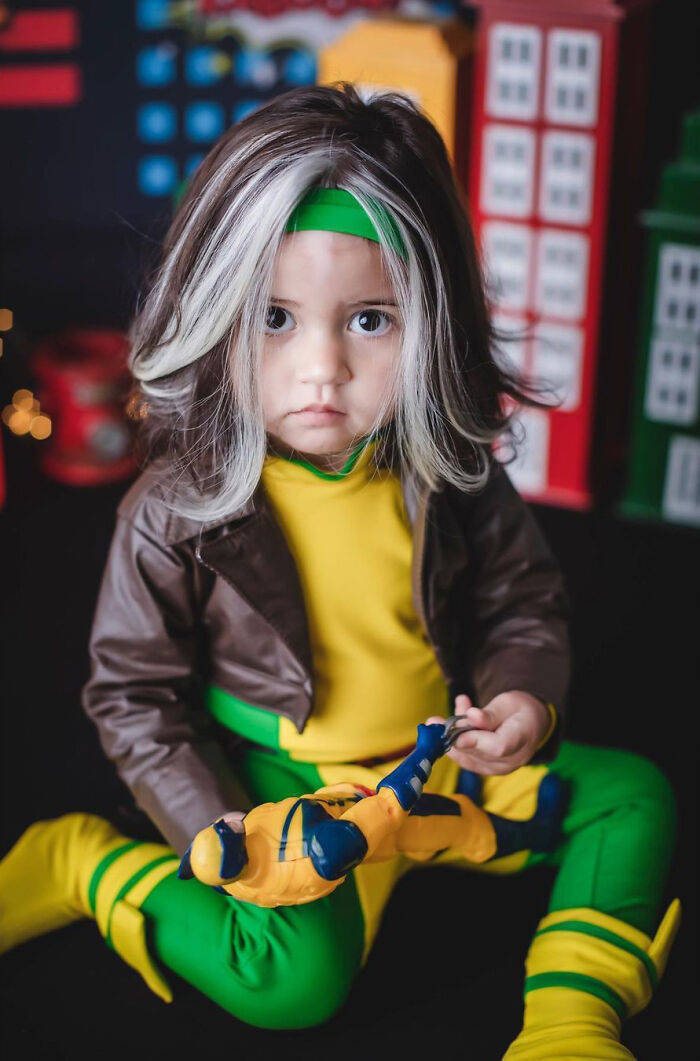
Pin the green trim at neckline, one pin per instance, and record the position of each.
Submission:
(347, 467)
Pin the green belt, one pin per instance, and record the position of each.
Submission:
(254, 723)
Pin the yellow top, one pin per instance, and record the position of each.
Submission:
(376, 676)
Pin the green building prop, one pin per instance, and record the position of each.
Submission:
(664, 466)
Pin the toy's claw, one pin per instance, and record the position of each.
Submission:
(455, 726)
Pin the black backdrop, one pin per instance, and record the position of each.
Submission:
(70, 254)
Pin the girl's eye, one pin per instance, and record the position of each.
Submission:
(370, 322)
(275, 319)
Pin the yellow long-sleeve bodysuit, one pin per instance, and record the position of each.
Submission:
(376, 676)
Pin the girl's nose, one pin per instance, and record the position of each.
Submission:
(321, 358)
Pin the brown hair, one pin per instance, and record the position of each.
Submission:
(183, 348)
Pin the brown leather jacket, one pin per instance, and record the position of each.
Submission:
(182, 604)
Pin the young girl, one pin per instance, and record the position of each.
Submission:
(320, 555)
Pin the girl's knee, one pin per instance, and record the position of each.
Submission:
(316, 971)
(303, 974)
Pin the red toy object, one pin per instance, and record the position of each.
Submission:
(82, 385)
(559, 89)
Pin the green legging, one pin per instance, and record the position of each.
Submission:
(293, 967)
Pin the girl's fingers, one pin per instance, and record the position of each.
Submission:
(434, 719)
(482, 718)
(504, 742)
(235, 818)
(462, 704)
(465, 741)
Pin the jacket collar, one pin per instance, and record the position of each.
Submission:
(180, 529)
(249, 551)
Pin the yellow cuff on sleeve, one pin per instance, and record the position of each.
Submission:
(550, 729)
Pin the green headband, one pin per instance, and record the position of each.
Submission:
(335, 210)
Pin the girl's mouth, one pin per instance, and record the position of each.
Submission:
(319, 417)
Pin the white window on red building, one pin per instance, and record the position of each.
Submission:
(678, 288)
(530, 468)
(511, 344)
(681, 499)
(558, 360)
(507, 176)
(573, 75)
(566, 184)
(562, 274)
(513, 71)
(507, 254)
(673, 380)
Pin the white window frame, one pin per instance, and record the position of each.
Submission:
(557, 359)
(572, 81)
(681, 496)
(678, 284)
(558, 148)
(517, 74)
(500, 171)
(530, 470)
(513, 350)
(674, 369)
(513, 270)
(562, 274)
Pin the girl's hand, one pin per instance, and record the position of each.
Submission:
(507, 732)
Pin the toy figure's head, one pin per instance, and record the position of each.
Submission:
(255, 311)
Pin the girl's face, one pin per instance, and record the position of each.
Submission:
(332, 336)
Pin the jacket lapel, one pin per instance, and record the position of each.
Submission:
(252, 555)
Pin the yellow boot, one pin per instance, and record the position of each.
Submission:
(79, 866)
(586, 972)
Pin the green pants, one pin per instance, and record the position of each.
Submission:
(292, 967)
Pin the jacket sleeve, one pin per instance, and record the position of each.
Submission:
(141, 689)
(518, 606)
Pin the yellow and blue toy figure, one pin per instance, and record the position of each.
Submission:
(301, 848)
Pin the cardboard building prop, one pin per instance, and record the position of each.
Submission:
(664, 466)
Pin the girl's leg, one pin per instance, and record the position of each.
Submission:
(618, 834)
(592, 961)
(285, 967)
(288, 967)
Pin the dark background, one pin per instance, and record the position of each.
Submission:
(446, 971)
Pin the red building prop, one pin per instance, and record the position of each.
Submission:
(557, 88)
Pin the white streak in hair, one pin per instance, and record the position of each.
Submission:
(225, 298)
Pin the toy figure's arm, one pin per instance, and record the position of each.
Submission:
(368, 822)
(140, 692)
(516, 608)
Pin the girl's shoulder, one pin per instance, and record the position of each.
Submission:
(148, 506)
